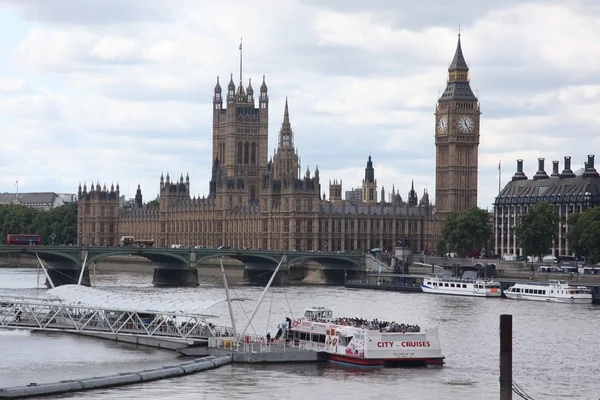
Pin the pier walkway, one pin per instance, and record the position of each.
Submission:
(18, 312)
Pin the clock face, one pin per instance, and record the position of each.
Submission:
(443, 125)
(286, 140)
(466, 124)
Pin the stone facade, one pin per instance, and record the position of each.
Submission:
(261, 204)
(569, 191)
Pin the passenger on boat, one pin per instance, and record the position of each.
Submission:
(382, 326)
(279, 332)
(268, 337)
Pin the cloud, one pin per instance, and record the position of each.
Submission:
(122, 91)
(11, 86)
(93, 12)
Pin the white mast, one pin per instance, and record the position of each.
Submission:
(82, 269)
(45, 272)
(227, 295)
(263, 295)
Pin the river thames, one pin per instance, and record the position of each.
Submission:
(556, 352)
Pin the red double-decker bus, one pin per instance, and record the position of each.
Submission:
(23, 240)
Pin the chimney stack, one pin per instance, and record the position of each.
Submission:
(590, 171)
(519, 175)
(567, 173)
(541, 174)
(555, 173)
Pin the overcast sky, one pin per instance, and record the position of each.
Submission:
(111, 90)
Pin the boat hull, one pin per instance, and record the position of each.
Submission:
(546, 299)
(433, 362)
(458, 292)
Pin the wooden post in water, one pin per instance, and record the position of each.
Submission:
(505, 357)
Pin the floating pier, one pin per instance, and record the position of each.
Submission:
(254, 349)
(126, 378)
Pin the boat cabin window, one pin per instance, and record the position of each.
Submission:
(464, 285)
(344, 340)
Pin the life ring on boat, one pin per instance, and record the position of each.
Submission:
(296, 322)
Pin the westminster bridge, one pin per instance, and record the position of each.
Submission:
(179, 267)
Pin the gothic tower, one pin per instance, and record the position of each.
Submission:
(369, 184)
(240, 138)
(456, 141)
(286, 163)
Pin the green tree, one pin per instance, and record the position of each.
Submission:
(466, 231)
(153, 204)
(536, 229)
(584, 234)
(442, 246)
(58, 225)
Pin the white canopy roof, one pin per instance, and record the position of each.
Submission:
(176, 303)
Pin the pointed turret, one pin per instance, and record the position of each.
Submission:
(458, 62)
(457, 87)
(369, 171)
(263, 87)
(231, 89)
(264, 98)
(138, 196)
(286, 135)
(369, 184)
(425, 199)
(217, 98)
(217, 87)
(250, 91)
(413, 200)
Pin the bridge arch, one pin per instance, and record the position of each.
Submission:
(331, 260)
(250, 260)
(156, 257)
(47, 254)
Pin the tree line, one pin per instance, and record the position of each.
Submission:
(55, 226)
(536, 231)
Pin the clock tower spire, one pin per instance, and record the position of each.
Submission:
(456, 141)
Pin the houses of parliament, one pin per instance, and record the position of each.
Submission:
(271, 204)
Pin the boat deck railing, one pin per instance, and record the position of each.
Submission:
(260, 344)
(443, 278)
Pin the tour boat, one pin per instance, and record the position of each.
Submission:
(554, 291)
(440, 284)
(365, 343)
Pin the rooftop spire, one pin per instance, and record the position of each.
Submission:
(286, 135)
(240, 61)
(458, 62)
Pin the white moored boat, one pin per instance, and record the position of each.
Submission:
(440, 284)
(553, 291)
(366, 343)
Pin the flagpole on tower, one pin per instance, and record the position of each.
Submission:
(499, 175)
(240, 60)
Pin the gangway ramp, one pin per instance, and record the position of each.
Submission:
(86, 310)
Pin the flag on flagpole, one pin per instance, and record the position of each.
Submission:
(17, 182)
(499, 161)
(240, 44)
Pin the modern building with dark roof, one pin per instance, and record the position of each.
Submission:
(570, 192)
(39, 201)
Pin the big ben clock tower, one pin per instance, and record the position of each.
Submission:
(456, 142)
